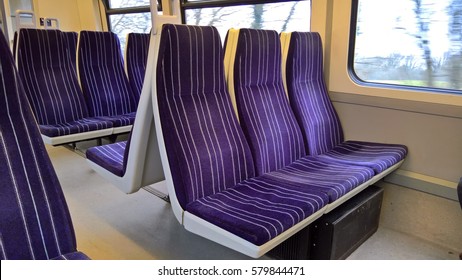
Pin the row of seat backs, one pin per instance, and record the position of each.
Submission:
(206, 148)
(120, 162)
(35, 221)
(309, 123)
(269, 140)
(136, 54)
(209, 157)
(135, 163)
(45, 61)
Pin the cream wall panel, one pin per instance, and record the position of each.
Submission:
(66, 11)
(429, 123)
(434, 142)
(90, 18)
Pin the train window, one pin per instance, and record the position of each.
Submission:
(412, 43)
(277, 15)
(114, 4)
(125, 16)
(122, 24)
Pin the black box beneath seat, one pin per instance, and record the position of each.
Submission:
(337, 234)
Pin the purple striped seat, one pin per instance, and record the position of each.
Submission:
(316, 115)
(120, 120)
(112, 157)
(209, 158)
(34, 218)
(71, 38)
(75, 127)
(258, 209)
(333, 179)
(74, 256)
(264, 113)
(136, 58)
(51, 85)
(104, 83)
(270, 126)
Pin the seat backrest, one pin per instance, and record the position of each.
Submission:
(206, 149)
(136, 56)
(102, 77)
(308, 93)
(71, 38)
(49, 78)
(34, 218)
(264, 111)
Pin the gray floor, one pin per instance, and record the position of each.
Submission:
(112, 225)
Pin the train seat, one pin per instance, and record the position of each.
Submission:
(52, 89)
(136, 55)
(254, 77)
(135, 163)
(104, 84)
(208, 165)
(34, 219)
(111, 157)
(319, 122)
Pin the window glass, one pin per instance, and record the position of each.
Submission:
(114, 4)
(409, 42)
(126, 23)
(283, 16)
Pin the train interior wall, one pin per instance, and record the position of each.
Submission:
(420, 198)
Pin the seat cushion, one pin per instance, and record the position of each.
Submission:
(120, 120)
(79, 256)
(333, 179)
(258, 210)
(73, 127)
(110, 157)
(377, 156)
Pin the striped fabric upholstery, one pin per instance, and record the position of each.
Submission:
(51, 84)
(104, 83)
(120, 120)
(136, 58)
(206, 148)
(76, 256)
(378, 156)
(264, 113)
(314, 111)
(208, 155)
(271, 127)
(308, 94)
(112, 157)
(71, 38)
(258, 210)
(34, 218)
(335, 180)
